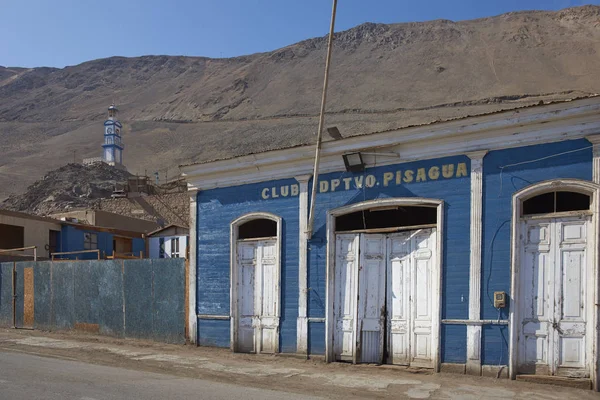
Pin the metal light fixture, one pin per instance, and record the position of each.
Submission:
(334, 132)
(354, 162)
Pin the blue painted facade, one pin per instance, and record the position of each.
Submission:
(499, 185)
(217, 208)
(72, 239)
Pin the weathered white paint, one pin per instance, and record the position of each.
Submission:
(255, 271)
(543, 124)
(346, 285)
(257, 297)
(411, 257)
(595, 140)
(393, 266)
(371, 298)
(517, 263)
(554, 329)
(302, 324)
(193, 268)
(474, 331)
(333, 253)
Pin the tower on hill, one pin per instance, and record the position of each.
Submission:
(113, 145)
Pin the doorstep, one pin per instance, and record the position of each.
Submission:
(577, 383)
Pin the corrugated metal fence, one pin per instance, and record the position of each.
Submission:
(125, 298)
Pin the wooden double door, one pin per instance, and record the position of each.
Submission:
(257, 294)
(383, 298)
(555, 299)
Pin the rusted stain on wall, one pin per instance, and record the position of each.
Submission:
(85, 327)
(28, 299)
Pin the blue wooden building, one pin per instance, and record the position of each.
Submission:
(468, 245)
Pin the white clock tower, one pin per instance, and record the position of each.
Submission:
(113, 146)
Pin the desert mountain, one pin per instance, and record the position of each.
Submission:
(184, 109)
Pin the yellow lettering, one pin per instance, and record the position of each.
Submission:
(274, 193)
(398, 177)
(448, 170)
(295, 190)
(408, 176)
(370, 181)
(387, 177)
(334, 184)
(434, 173)
(285, 191)
(347, 183)
(421, 177)
(358, 181)
(461, 170)
(323, 186)
(265, 193)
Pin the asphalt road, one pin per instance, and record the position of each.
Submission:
(24, 376)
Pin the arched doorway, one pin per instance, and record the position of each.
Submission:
(255, 283)
(554, 279)
(383, 282)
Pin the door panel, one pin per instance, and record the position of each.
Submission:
(423, 245)
(571, 311)
(389, 290)
(371, 299)
(536, 294)
(269, 297)
(399, 264)
(345, 296)
(553, 310)
(245, 297)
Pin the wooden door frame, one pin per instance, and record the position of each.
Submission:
(571, 185)
(233, 271)
(436, 267)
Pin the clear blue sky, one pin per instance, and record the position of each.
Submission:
(67, 32)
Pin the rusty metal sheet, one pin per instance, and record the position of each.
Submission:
(85, 327)
(28, 298)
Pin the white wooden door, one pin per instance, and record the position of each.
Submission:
(371, 298)
(344, 313)
(258, 297)
(411, 256)
(384, 298)
(554, 337)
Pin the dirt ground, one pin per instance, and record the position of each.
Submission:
(285, 373)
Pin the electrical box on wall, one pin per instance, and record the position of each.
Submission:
(499, 299)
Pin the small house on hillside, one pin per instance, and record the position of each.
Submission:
(19, 230)
(168, 242)
(50, 236)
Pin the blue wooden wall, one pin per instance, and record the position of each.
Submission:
(216, 210)
(499, 185)
(72, 240)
